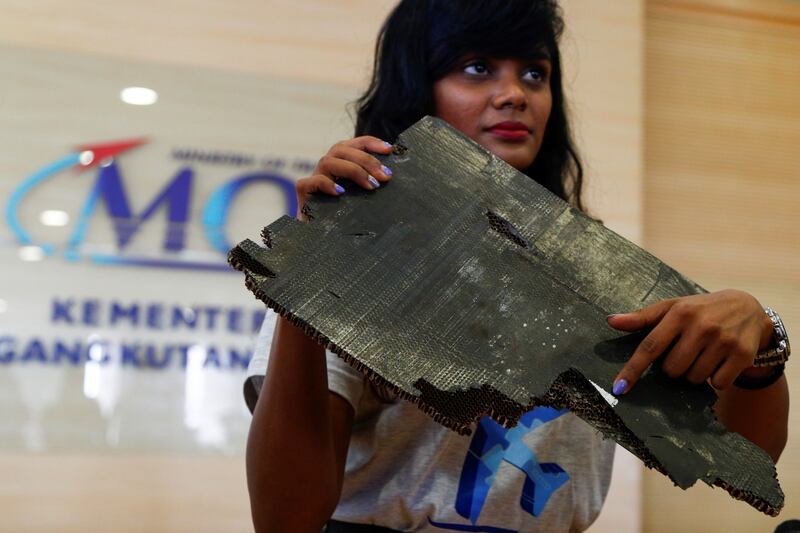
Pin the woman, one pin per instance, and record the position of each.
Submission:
(325, 443)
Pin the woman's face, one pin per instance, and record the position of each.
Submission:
(502, 104)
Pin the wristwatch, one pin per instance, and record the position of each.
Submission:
(779, 352)
(775, 357)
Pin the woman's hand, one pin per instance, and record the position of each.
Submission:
(704, 337)
(350, 160)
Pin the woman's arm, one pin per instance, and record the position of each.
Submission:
(762, 416)
(300, 432)
(713, 337)
(298, 439)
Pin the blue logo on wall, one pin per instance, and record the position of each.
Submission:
(174, 199)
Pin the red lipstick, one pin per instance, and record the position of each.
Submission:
(510, 130)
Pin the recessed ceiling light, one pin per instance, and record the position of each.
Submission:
(138, 96)
(31, 253)
(54, 217)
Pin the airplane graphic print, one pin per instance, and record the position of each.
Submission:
(493, 445)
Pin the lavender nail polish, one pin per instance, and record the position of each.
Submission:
(386, 170)
(375, 183)
(388, 144)
(620, 386)
(339, 189)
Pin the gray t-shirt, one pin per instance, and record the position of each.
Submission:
(405, 472)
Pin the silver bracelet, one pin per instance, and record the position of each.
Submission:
(779, 353)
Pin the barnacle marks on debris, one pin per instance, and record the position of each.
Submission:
(470, 290)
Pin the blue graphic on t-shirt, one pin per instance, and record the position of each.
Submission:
(490, 447)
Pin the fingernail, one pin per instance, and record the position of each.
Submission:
(620, 386)
(386, 170)
(609, 317)
(339, 189)
(388, 145)
(375, 183)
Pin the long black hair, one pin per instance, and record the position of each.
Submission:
(421, 42)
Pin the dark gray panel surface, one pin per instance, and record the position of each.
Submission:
(471, 290)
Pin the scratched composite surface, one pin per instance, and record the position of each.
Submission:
(470, 290)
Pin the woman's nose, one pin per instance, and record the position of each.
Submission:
(509, 92)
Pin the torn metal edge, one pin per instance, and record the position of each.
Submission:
(557, 396)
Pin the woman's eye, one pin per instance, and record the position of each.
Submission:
(535, 74)
(477, 68)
